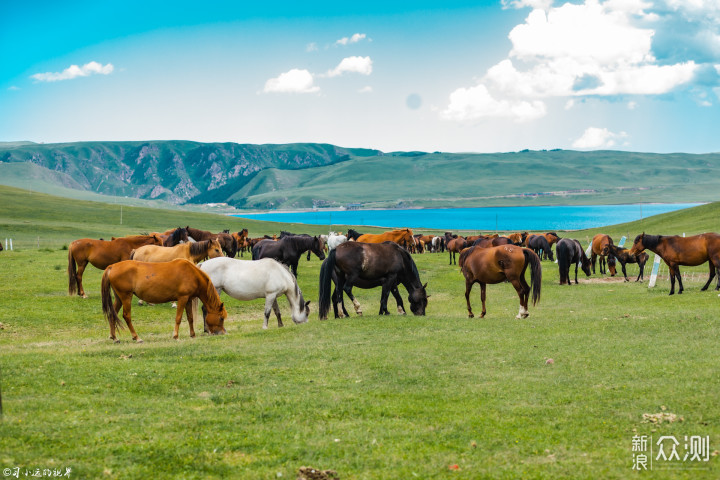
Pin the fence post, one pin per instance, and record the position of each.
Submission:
(622, 241)
(654, 274)
(11, 247)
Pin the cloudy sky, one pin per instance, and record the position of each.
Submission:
(639, 75)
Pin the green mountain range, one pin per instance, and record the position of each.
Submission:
(312, 175)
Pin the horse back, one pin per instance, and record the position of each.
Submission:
(157, 282)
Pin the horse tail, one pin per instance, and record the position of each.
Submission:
(234, 246)
(132, 254)
(463, 256)
(324, 293)
(107, 302)
(72, 273)
(535, 273)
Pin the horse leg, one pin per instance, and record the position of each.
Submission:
(78, 278)
(602, 265)
(710, 279)
(523, 294)
(178, 317)
(593, 258)
(126, 307)
(482, 297)
(276, 309)
(347, 288)
(679, 278)
(450, 254)
(468, 288)
(293, 267)
(671, 269)
(269, 300)
(384, 299)
(398, 299)
(189, 313)
(117, 305)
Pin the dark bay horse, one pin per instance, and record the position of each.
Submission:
(288, 250)
(173, 237)
(179, 280)
(370, 265)
(540, 245)
(100, 254)
(623, 256)
(498, 264)
(600, 244)
(227, 241)
(570, 252)
(353, 234)
(454, 244)
(687, 251)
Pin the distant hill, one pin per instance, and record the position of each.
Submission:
(320, 175)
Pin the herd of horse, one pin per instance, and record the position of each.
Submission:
(165, 266)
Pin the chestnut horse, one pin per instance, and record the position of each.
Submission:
(195, 252)
(623, 256)
(600, 249)
(403, 237)
(241, 240)
(100, 254)
(499, 264)
(518, 238)
(227, 241)
(178, 280)
(676, 251)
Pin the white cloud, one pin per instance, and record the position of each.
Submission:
(595, 137)
(73, 71)
(632, 105)
(367, 89)
(574, 50)
(13, 88)
(476, 103)
(293, 81)
(354, 39)
(361, 65)
(311, 47)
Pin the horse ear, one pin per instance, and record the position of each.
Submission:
(425, 286)
(307, 303)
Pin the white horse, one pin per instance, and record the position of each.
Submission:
(251, 279)
(334, 240)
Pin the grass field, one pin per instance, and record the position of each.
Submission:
(371, 397)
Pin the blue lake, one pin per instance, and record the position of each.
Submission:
(574, 217)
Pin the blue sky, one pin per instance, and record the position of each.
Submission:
(453, 76)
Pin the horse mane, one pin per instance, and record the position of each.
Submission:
(177, 235)
(464, 254)
(200, 247)
(650, 241)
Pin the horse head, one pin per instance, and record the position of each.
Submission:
(418, 299)
(318, 248)
(215, 318)
(638, 245)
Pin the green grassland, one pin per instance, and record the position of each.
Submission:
(391, 397)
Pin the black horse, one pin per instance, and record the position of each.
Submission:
(178, 236)
(370, 265)
(288, 250)
(353, 235)
(540, 245)
(570, 252)
(623, 256)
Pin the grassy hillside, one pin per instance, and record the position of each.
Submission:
(316, 175)
(372, 397)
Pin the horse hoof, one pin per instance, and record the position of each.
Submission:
(84, 296)
(139, 340)
(470, 315)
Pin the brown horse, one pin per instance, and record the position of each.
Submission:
(454, 245)
(676, 251)
(195, 252)
(623, 256)
(241, 240)
(179, 280)
(173, 237)
(518, 238)
(493, 241)
(100, 254)
(403, 237)
(498, 264)
(227, 241)
(600, 249)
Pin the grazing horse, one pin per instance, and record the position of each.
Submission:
(100, 254)
(403, 237)
(454, 245)
(570, 252)
(265, 278)
(227, 241)
(335, 239)
(518, 238)
(623, 256)
(178, 280)
(499, 264)
(676, 251)
(600, 249)
(540, 245)
(288, 250)
(369, 265)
